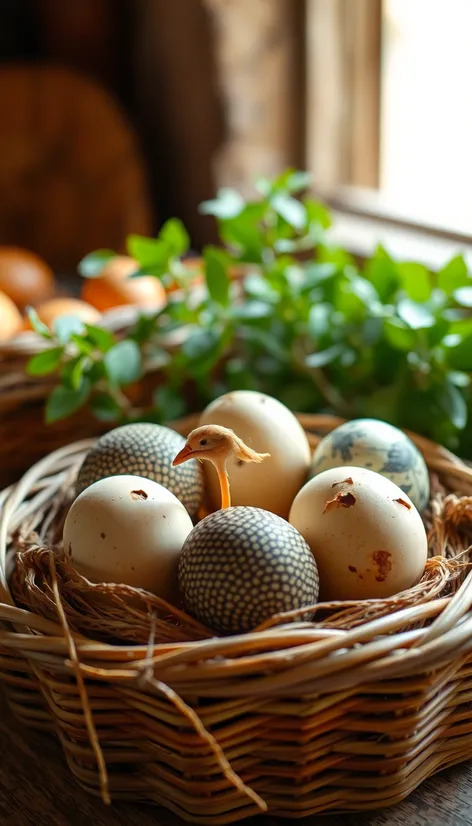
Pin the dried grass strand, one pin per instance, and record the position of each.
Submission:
(102, 769)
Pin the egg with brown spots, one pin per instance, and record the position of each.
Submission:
(127, 529)
(367, 537)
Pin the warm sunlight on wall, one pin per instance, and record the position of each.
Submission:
(426, 126)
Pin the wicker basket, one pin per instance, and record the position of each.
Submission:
(349, 712)
(24, 436)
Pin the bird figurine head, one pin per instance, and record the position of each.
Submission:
(217, 444)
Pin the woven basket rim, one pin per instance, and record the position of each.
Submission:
(449, 634)
(28, 343)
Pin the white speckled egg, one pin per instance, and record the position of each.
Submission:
(240, 566)
(366, 535)
(378, 446)
(267, 426)
(128, 529)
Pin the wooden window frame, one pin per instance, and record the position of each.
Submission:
(343, 54)
(343, 63)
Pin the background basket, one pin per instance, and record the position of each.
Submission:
(348, 712)
(24, 435)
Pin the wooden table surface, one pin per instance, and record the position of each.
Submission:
(37, 788)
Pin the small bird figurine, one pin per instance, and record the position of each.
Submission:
(217, 444)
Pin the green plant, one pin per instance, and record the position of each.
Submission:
(304, 322)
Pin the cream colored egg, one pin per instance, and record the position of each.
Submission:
(366, 535)
(128, 529)
(267, 426)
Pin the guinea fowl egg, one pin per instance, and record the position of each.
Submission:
(267, 426)
(144, 450)
(130, 530)
(378, 446)
(366, 535)
(242, 565)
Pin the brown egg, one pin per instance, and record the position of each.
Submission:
(11, 321)
(24, 276)
(114, 288)
(57, 307)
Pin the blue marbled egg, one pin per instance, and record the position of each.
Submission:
(376, 445)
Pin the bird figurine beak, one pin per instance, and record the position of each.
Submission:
(183, 456)
(223, 444)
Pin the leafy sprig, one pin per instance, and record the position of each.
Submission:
(285, 312)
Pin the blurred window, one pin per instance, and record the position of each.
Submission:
(389, 121)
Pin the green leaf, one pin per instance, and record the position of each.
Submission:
(152, 255)
(453, 275)
(100, 338)
(416, 316)
(82, 344)
(458, 378)
(255, 286)
(148, 252)
(216, 274)
(44, 363)
(297, 181)
(72, 371)
(319, 320)
(356, 296)
(92, 265)
(463, 296)
(291, 180)
(267, 341)
(264, 186)
(66, 326)
(77, 373)
(64, 401)
(315, 274)
(123, 362)
(144, 328)
(382, 273)
(174, 234)
(453, 403)
(291, 245)
(227, 204)
(169, 402)
(202, 350)
(335, 255)
(105, 408)
(459, 355)
(251, 310)
(399, 335)
(317, 213)
(291, 210)
(244, 232)
(415, 280)
(36, 323)
(324, 357)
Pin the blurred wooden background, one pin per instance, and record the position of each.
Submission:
(117, 114)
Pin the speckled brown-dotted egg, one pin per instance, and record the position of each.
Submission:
(242, 565)
(144, 449)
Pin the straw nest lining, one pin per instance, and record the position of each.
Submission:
(349, 711)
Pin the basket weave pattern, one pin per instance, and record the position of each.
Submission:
(348, 712)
